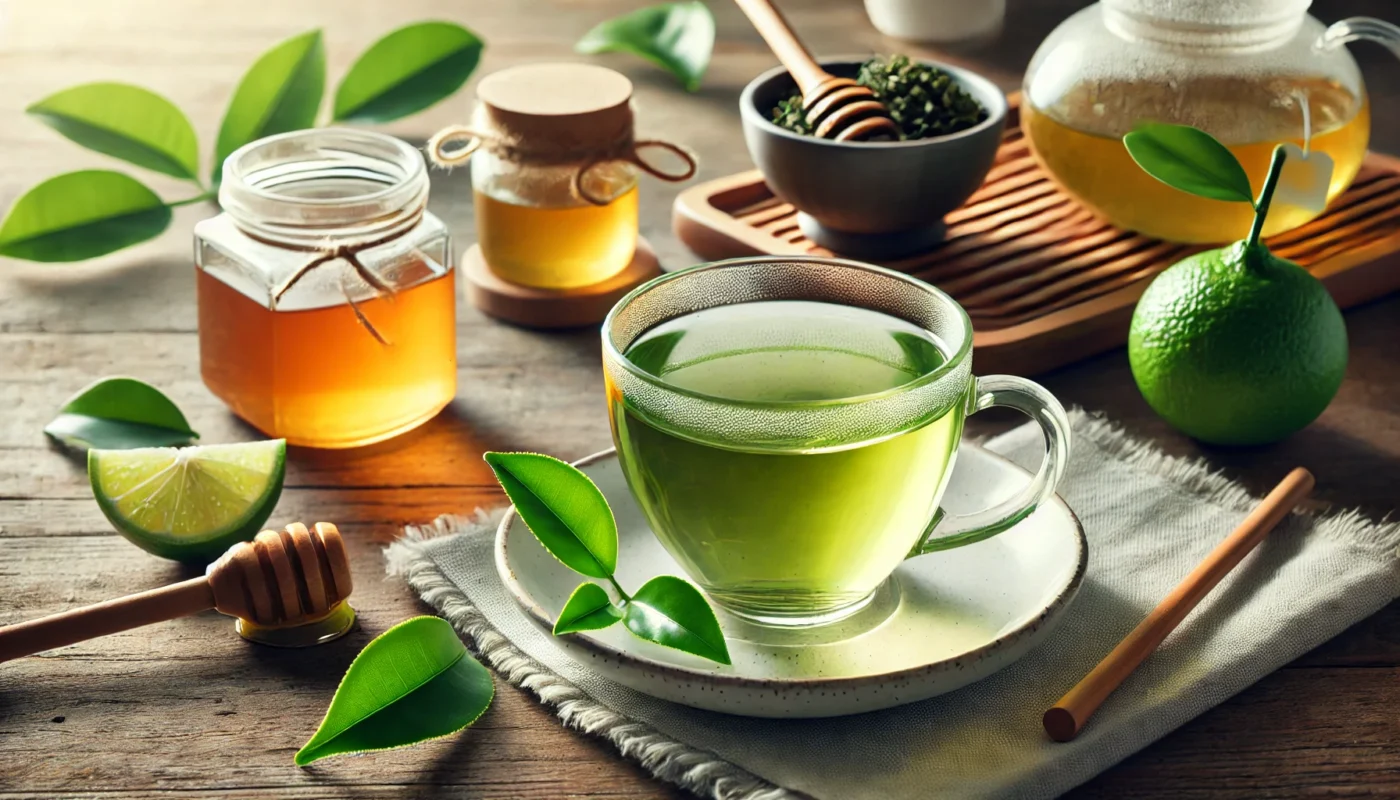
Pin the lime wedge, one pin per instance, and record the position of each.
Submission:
(189, 503)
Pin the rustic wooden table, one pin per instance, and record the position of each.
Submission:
(188, 709)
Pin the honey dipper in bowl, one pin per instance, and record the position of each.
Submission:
(836, 108)
(286, 588)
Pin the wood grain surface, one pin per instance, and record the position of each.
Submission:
(186, 709)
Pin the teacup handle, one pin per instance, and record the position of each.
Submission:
(955, 530)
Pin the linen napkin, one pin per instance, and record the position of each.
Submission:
(1149, 519)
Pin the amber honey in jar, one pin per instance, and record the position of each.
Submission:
(554, 173)
(327, 306)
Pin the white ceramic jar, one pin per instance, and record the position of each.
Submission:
(936, 20)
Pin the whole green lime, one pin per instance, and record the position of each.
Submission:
(1237, 346)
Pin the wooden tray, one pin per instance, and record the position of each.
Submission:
(1046, 282)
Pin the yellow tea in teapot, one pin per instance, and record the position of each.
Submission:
(1079, 140)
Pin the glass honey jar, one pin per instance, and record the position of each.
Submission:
(554, 169)
(1252, 73)
(327, 306)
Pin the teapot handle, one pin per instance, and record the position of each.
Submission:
(1356, 29)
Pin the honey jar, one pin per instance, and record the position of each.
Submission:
(554, 164)
(327, 306)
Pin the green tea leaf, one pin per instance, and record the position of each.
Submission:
(407, 71)
(671, 612)
(414, 682)
(563, 508)
(589, 608)
(676, 36)
(281, 92)
(120, 414)
(1191, 160)
(125, 122)
(81, 215)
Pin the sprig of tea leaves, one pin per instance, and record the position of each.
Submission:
(89, 213)
(567, 513)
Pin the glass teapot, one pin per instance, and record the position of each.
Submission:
(1252, 73)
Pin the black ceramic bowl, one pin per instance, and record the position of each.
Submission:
(871, 199)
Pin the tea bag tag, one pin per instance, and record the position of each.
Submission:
(1304, 179)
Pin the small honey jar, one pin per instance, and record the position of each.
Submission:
(554, 172)
(327, 306)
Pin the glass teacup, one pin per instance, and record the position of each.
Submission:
(788, 425)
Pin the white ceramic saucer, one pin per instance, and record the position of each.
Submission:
(945, 620)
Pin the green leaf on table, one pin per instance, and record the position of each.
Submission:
(126, 122)
(589, 608)
(80, 215)
(1190, 160)
(414, 682)
(671, 612)
(563, 508)
(676, 36)
(120, 414)
(281, 92)
(407, 71)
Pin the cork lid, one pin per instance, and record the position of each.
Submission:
(566, 106)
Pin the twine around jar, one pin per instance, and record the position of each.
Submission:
(623, 148)
(348, 252)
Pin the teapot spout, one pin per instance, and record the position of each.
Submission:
(1358, 29)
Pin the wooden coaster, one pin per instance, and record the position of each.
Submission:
(1045, 282)
(553, 308)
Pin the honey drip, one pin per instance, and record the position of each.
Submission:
(1078, 140)
(317, 377)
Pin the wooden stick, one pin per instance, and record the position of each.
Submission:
(778, 35)
(1068, 717)
(121, 614)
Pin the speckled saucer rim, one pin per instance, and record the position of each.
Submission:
(956, 663)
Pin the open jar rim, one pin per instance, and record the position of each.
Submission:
(324, 183)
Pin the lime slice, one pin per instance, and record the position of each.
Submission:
(189, 503)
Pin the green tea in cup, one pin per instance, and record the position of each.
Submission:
(788, 427)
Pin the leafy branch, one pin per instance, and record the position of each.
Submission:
(569, 515)
(89, 213)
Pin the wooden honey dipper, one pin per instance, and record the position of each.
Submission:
(836, 108)
(287, 588)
